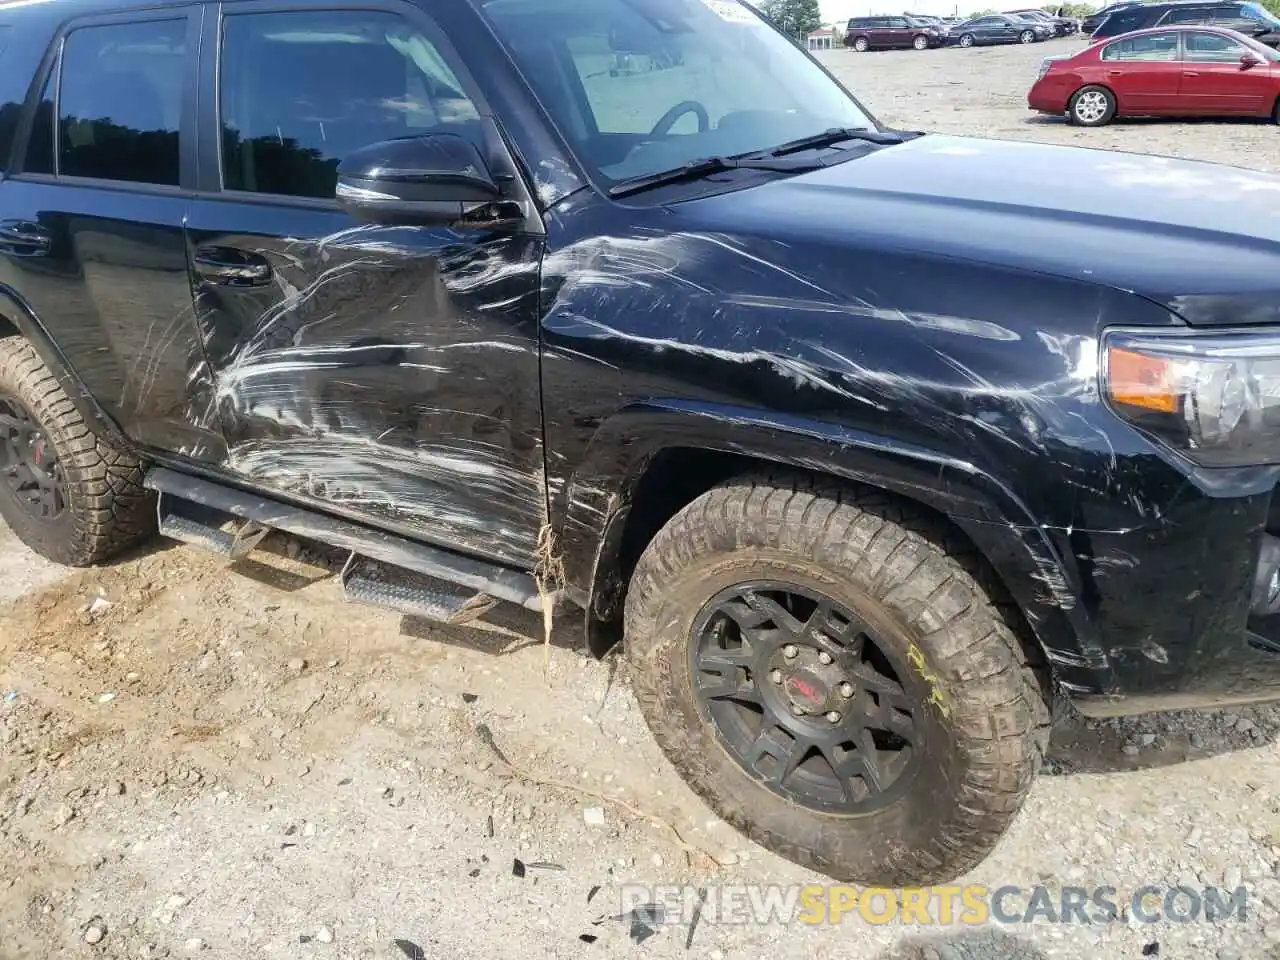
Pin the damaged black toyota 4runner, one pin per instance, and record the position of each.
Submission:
(866, 446)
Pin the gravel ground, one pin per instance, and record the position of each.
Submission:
(229, 762)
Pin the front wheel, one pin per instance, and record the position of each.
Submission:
(1092, 107)
(966, 40)
(1026, 36)
(827, 670)
(920, 43)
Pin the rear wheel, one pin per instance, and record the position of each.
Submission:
(1092, 106)
(1275, 111)
(828, 671)
(966, 40)
(921, 42)
(66, 493)
(860, 45)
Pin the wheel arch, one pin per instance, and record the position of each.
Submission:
(17, 318)
(661, 456)
(1085, 84)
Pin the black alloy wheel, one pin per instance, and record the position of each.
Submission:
(805, 698)
(29, 465)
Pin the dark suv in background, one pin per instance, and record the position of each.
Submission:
(1243, 16)
(1093, 20)
(886, 33)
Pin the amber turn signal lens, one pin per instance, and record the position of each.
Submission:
(1140, 380)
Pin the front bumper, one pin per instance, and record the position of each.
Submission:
(1171, 604)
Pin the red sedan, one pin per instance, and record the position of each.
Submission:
(1163, 71)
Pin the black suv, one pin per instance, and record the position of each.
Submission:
(888, 33)
(695, 355)
(1090, 23)
(1251, 19)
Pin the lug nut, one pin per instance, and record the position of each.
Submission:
(797, 710)
(790, 651)
(776, 676)
(833, 717)
(824, 657)
(846, 690)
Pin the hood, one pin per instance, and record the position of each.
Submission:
(1201, 239)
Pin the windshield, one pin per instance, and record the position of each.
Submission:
(642, 86)
(1254, 11)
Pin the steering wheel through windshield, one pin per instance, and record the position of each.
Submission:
(668, 119)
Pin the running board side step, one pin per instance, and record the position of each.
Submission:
(456, 589)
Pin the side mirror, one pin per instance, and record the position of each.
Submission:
(1248, 61)
(440, 178)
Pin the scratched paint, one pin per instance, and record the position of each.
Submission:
(388, 372)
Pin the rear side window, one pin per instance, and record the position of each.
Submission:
(40, 143)
(1187, 15)
(1154, 46)
(16, 67)
(302, 90)
(120, 102)
(1124, 21)
(1212, 48)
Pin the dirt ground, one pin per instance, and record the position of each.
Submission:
(230, 762)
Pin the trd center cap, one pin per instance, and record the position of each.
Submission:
(806, 691)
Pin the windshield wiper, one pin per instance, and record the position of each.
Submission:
(706, 167)
(833, 136)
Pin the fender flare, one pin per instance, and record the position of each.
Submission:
(1045, 586)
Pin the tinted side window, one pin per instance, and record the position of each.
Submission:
(39, 157)
(1125, 20)
(1212, 48)
(1156, 46)
(1187, 15)
(897, 23)
(302, 90)
(121, 101)
(1226, 14)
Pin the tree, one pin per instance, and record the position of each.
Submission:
(796, 17)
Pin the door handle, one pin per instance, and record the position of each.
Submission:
(24, 238)
(231, 267)
(1190, 73)
(1114, 73)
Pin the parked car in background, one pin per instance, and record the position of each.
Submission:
(1243, 16)
(887, 33)
(1173, 71)
(1093, 20)
(931, 21)
(1045, 29)
(1062, 26)
(998, 28)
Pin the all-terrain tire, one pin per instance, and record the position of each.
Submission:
(984, 697)
(107, 508)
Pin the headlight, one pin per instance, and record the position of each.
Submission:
(1214, 397)
(1044, 68)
